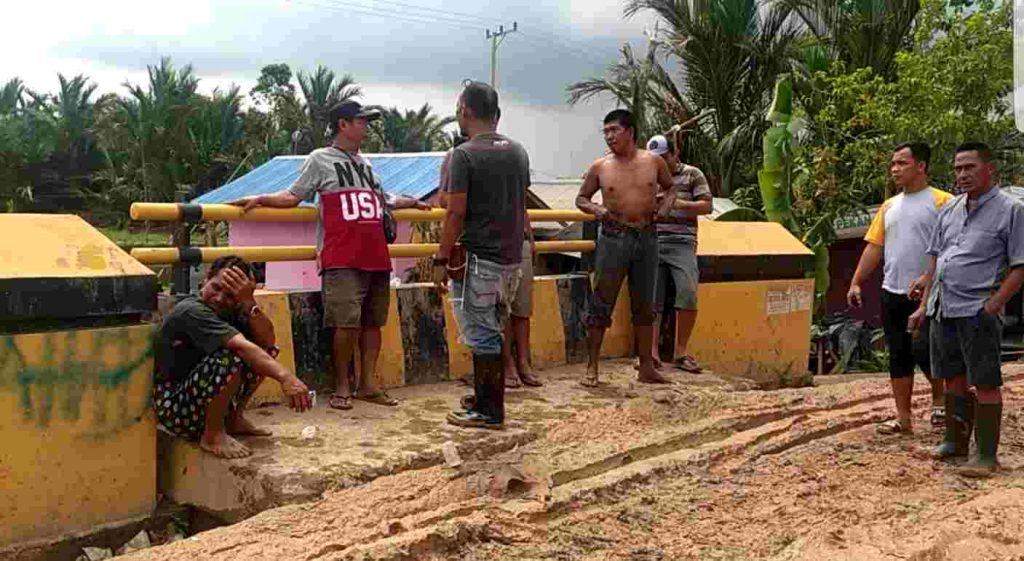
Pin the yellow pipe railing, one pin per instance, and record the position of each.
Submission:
(173, 212)
(171, 255)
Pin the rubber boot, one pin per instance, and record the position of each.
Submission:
(959, 421)
(496, 383)
(488, 408)
(988, 425)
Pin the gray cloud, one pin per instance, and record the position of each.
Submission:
(535, 65)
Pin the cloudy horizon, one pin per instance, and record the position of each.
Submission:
(401, 52)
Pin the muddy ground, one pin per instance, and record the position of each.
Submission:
(701, 470)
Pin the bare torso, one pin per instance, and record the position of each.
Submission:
(629, 187)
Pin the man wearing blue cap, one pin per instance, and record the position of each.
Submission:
(677, 250)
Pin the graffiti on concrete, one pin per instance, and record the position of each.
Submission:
(55, 373)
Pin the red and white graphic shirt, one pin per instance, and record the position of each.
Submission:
(350, 229)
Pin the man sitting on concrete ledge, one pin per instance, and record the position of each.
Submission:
(212, 352)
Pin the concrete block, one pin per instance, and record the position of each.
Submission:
(573, 299)
(424, 335)
(276, 307)
(618, 339)
(547, 334)
(391, 363)
(755, 329)
(223, 488)
(78, 433)
(311, 342)
(460, 360)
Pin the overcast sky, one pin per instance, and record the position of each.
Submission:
(403, 52)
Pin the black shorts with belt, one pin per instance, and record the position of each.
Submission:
(905, 350)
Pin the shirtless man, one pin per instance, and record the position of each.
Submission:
(630, 181)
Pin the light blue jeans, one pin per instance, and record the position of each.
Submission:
(482, 302)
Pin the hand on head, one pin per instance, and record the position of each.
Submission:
(237, 284)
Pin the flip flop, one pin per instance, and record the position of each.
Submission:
(689, 364)
(590, 381)
(892, 427)
(341, 402)
(513, 382)
(379, 397)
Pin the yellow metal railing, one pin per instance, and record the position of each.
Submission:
(172, 255)
(172, 212)
(176, 212)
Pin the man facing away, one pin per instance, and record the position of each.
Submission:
(899, 234)
(627, 246)
(677, 251)
(518, 367)
(488, 178)
(352, 252)
(212, 352)
(978, 239)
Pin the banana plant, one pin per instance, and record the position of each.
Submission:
(775, 179)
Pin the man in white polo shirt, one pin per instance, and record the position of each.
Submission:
(900, 233)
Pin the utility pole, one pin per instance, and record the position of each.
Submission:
(496, 39)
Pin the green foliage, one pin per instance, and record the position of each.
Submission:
(858, 33)
(728, 53)
(408, 131)
(322, 90)
(952, 86)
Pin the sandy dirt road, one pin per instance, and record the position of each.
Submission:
(699, 470)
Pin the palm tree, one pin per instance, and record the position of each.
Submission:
(642, 85)
(729, 52)
(11, 96)
(322, 90)
(861, 33)
(409, 131)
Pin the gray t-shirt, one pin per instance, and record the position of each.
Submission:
(691, 185)
(494, 173)
(330, 169)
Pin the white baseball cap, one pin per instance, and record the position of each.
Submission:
(658, 145)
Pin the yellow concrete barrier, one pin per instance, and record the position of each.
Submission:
(547, 331)
(78, 433)
(755, 329)
(275, 305)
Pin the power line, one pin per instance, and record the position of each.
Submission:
(336, 6)
(443, 17)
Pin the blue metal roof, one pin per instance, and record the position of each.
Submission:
(413, 175)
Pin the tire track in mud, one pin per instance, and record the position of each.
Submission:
(463, 511)
(741, 440)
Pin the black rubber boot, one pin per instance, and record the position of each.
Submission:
(988, 425)
(959, 422)
(488, 403)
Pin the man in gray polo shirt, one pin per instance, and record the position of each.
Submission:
(978, 240)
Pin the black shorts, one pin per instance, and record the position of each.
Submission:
(905, 350)
(968, 346)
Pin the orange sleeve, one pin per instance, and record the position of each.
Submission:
(941, 197)
(876, 231)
